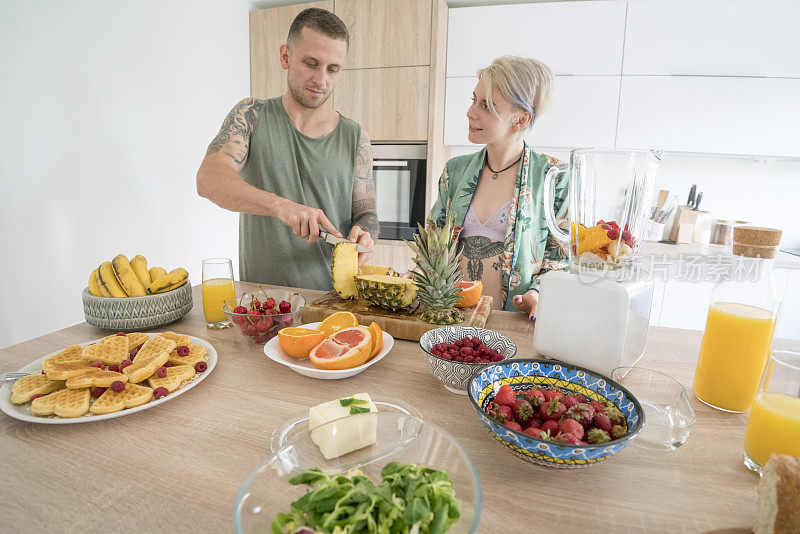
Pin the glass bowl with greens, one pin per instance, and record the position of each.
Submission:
(413, 477)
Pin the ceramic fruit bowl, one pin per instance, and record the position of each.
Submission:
(400, 437)
(455, 375)
(279, 308)
(129, 314)
(524, 374)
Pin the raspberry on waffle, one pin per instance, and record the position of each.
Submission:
(175, 377)
(112, 401)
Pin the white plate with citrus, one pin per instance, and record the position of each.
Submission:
(341, 356)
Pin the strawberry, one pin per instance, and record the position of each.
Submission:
(523, 412)
(571, 400)
(535, 397)
(552, 393)
(550, 426)
(617, 431)
(569, 439)
(505, 396)
(598, 435)
(514, 426)
(535, 421)
(582, 413)
(500, 413)
(553, 410)
(599, 407)
(571, 426)
(614, 414)
(534, 432)
(603, 422)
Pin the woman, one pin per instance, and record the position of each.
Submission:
(495, 195)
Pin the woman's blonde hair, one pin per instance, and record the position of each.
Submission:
(526, 83)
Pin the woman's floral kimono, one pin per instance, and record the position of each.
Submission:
(529, 249)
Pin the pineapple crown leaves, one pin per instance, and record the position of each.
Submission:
(437, 256)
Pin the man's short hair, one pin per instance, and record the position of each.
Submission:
(321, 21)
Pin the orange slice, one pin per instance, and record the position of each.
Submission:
(338, 321)
(470, 293)
(376, 334)
(345, 349)
(298, 342)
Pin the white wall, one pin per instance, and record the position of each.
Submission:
(107, 108)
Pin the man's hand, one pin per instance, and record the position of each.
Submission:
(528, 303)
(358, 235)
(304, 221)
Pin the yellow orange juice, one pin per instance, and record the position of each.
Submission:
(733, 353)
(217, 292)
(774, 427)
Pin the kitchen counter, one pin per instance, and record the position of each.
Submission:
(707, 251)
(178, 467)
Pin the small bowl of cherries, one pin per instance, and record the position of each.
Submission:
(261, 314)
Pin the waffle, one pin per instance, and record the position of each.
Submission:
(28, 386)
(111, 351)
(72, 354)
(63, 403)
(175, 377)
(111, 401)
(101, 379)
(179, 339)
(135, 339)
(153, 354)
(197, 353)
(64, 371)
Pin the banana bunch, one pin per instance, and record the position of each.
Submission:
(122, 278)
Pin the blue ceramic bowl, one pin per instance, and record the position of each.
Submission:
(523, 374)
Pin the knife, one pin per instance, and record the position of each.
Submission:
(332, 239)
(697, 201)
(692, 191)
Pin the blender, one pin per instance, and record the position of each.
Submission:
(597, 314)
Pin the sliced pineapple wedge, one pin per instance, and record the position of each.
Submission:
(344, 268)
(391, 292)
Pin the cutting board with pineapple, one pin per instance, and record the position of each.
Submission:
(405, 308)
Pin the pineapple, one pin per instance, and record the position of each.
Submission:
(437, 258)
(392, 292)
(344, 268)
(376, 269)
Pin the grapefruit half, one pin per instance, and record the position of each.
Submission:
(344, 349)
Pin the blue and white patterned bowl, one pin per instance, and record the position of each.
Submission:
(137, 313)
(456, 375)
(526, 373)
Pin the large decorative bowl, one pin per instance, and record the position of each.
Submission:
(401, 437)
(523, 374)
(129, 314)
(456, 375)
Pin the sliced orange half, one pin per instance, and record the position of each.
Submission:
(345, 349)
(376, 334)
(470, 293)
(338, 321)
(298, 342)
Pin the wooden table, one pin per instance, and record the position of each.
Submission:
(177, 468)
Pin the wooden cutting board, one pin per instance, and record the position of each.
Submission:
(399, 324)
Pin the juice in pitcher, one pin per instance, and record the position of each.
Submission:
(733, 352)
(774, 427)
(216, 292)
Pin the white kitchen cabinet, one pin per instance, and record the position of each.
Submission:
(713, 37)
(710, 114)
(584, 112)
(571, 37)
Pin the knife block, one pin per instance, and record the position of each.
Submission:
(684, 215)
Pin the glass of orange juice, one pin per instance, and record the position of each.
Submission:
(774, 424)
(218, 288)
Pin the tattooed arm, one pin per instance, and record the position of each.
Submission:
(219, 181)
(364, 215)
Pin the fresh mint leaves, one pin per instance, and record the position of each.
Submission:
(350, 401)
(358, 409)
(408, 496)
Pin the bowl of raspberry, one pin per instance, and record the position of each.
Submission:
(260, 315)
(555, 414)
(454, 353)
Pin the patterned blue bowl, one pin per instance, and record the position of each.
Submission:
(137, 313)
(456, 375)
(526, 373)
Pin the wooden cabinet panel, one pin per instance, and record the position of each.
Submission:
(391, 104)
(268, 31)
(713, 37)
(387, 33)
(571, 37)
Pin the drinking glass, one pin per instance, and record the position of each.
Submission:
(668, 416)
(218, 288)
(774, 424)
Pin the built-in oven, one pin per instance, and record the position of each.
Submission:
(399, 174)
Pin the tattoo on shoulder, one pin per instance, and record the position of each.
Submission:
(233, 138)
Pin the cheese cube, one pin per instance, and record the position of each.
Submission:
(349, 432)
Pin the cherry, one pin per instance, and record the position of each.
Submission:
(118, 386)
(160, 392)
(183, 351)
(260, 338)
(161, 372)
(264, 324)
(284, 307)
(240, 309)
(200, 366)
(270, 303)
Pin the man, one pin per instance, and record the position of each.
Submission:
(292, 166)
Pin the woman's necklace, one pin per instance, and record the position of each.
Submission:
(494, 172)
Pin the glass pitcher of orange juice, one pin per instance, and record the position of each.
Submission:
(740, 324)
